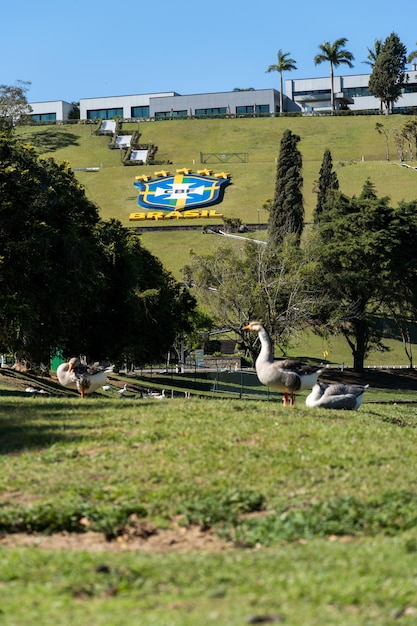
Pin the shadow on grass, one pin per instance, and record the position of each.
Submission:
(50, 141)
(20, 430)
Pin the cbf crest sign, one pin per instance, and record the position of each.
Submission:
(181, 193)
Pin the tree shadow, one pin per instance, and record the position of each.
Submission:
(19, 432)
(52, 140)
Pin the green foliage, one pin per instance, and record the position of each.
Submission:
(145, 308)
(71, 517)
(47, 241)
(221, 507)
(335, 54)
(393, 513)
(71, 281)
(326, 184)
(14, 106)
(365, 246)
(389, 71)
(256, 282)
(286, 215)
(284, 64)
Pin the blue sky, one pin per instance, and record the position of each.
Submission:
(80, 49)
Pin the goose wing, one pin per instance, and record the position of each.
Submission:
(337, 389)
(276, 377)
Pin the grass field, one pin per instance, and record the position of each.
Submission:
(358, 152)
(223, 512)
(201, 511)
(350, 140)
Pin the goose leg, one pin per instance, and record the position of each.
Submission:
(285, 399)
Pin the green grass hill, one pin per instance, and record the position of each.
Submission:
(358, 151)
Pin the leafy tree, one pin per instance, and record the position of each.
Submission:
(399, 143)
(14, 107)
(72, 282)
(381, 130)
(403, 309)
(362, 242)
(335, 54)
(142, 307)
(389, 75)
(283, 64)
(256, 282)
(409, 132)
(286, 213)
(47, 242)
(327, 183)
(74, 114)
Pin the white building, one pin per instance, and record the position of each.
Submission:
(304, 95)
(350, 92)
(172, 105)
(56, 111)
(127, 107)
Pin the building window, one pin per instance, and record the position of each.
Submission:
(252, 109)
(104, 114)
(166, 115)
(212, 111)
(139, 111)
(356, 92)
(44, 117)
(312, 92)
(410, 88)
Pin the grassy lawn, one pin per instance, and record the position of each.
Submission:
(358, 153)
(316, 510)
(311, 513)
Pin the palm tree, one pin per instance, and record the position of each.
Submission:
(284, 64)
(412, 56)
(335, 54)
(374, 54)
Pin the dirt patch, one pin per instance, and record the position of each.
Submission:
(158, 541)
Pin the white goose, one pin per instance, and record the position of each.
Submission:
(84, 378)
(288, 376)
(336, 396)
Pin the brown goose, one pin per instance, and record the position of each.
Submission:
(84, 378)
(288, 376)
(336, 396)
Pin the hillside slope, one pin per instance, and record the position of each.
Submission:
(358, 152)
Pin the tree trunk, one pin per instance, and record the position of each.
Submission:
(332, 88)
(361, 330)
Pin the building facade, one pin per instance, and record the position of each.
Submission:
(312, 95)
(305, 95)
(55, 111)
(126, 107)
(172, 105)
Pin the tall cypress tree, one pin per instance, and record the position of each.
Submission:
(327, 183)
(287, 210)
(389, 74)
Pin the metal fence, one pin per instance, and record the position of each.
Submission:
(239, 383)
